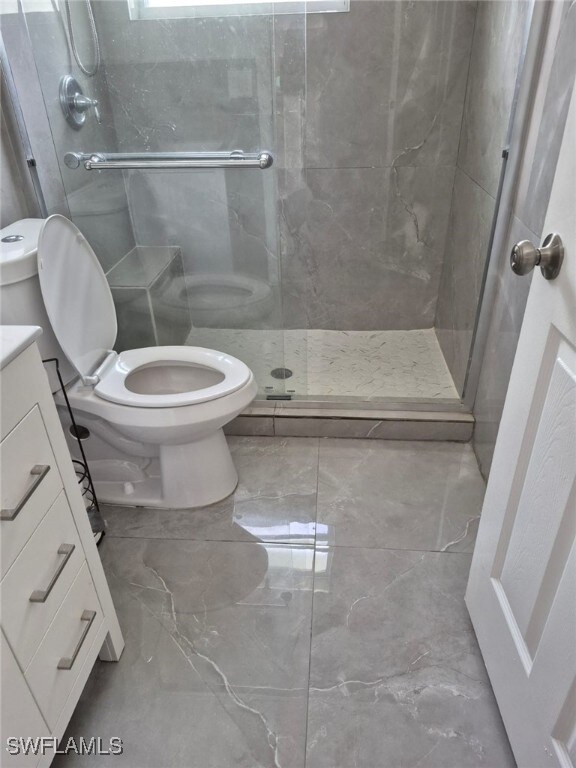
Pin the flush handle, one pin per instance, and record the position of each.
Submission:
(525, 256)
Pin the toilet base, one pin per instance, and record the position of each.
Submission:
(197, 474)
(184, 477)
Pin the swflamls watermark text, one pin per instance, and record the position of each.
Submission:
(42, 745)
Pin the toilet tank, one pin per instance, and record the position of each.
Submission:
(21, 300)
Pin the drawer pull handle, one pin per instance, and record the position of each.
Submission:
(41, 595)
(67, 662)
(39, 471)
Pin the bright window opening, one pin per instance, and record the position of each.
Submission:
(166, 9)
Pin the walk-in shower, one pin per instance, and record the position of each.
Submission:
(309, 186)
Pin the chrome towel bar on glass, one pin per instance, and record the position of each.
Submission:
(101, 161)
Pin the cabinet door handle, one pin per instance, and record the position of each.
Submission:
(41, 595)
(39, 471)
(67, 662)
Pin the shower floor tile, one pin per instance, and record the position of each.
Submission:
(352, 649)
(364, 364)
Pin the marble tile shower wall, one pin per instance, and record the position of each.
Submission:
(365, 202)
(535, 183)
(16, 196)
(363, 110)
(499, 34)
(197, 84)
(98, 205)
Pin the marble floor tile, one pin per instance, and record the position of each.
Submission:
(396, 677)
(275, 500)
(398, 495)
(245, 653)
(215, 669)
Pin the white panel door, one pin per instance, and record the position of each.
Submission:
(522, 589)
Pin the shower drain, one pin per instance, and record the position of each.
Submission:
(281, 373)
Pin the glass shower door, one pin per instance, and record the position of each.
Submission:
(191, 254)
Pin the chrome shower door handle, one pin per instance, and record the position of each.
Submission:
(525, 256)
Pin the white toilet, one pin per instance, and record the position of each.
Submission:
(227, 300)
(155, 414)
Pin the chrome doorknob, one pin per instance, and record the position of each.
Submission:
(525, 256)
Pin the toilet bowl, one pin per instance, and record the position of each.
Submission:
(227, 300)
(160, 410)
(170, 404)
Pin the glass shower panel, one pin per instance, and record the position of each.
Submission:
(192, 256)
(345, 272)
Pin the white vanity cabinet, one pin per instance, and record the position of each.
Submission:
(56, 612)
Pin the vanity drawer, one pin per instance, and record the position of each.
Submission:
(30, 482)
(36, 584)
(21, 717)
(57, 662)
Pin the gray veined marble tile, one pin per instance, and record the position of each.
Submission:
(396, 677)
(275, 500)
(538, 170)
(465, 258)
(499, 34)
(370, 96)
(216, 663)
(362, 248)
(398, 495)
(223, 222)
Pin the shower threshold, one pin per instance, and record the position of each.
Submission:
(408, 421)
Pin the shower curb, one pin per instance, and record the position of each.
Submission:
(377, 424)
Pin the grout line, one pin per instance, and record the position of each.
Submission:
(297, 545)
(260, 542)
(380, 167)
(464, 419)
(392, 549)
(312, 607)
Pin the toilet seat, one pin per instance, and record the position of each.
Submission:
(113, 386)
(85, 326)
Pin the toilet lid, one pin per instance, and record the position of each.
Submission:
(76, 294)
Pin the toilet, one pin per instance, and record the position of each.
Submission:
(227, 300)
(154, 416)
